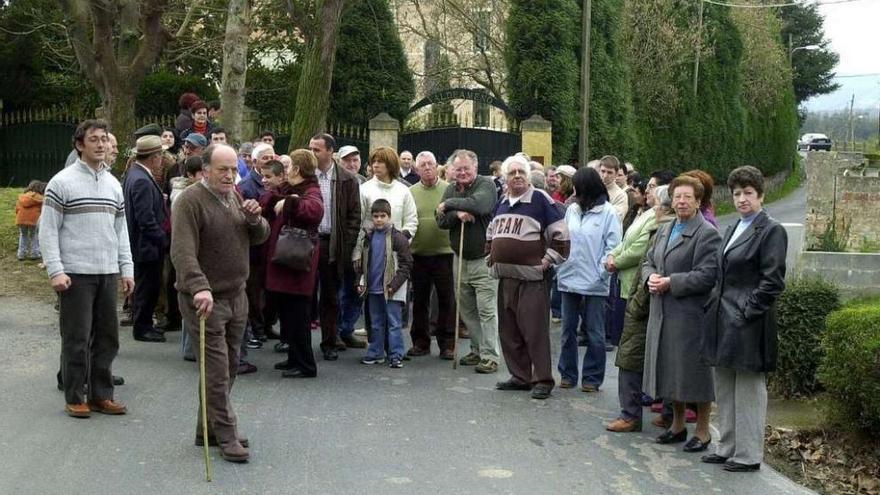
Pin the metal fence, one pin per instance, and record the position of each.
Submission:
(345, 135)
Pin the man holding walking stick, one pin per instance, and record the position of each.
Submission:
(213, 230)
(470, 201)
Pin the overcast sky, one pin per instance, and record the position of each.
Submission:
(854, 31)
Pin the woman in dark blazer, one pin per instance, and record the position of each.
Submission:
(680, 270)
(297, 203)
(740, 342)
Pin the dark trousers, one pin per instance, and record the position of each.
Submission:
(147, 283)
(615, 308)
(629, 394)
(328, 295)
(256, 299)
(433, 272)
(172, 311)
(89, 336)
(224, 330)
(293, 311)
(524, 329)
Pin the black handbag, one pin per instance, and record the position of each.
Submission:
(294, 249)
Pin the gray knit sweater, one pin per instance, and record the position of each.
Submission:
(82, 226)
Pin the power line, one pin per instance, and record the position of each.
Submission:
(869, 74)
(775, 5)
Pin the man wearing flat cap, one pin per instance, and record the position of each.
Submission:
(146, 215)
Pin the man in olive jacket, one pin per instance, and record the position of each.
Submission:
(470, 201)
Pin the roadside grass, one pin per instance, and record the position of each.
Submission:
(791, 184)
(21, 278)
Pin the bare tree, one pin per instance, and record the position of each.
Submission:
(116, 43)
(470, 33)
(235, 50)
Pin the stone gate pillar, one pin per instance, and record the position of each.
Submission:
(537, 139)
(384, 130)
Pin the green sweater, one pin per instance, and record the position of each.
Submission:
(429, 239)
(479, 200)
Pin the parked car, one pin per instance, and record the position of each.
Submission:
(814, 142)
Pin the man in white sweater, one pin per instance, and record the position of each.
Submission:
(84, 240)
(608, 166)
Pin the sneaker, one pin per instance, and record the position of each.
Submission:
(254, 344)
(471, 359)
(555, 319)
(590, 389)
(372, 360)
(563, 383)
(361, 332)
(396, 363)
(485, 367)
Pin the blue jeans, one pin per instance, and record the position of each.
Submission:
(385, 316)
(349, 305)
(28, 242)
(592, 310)
(555, 299)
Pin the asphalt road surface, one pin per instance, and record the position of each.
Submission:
(355, 429)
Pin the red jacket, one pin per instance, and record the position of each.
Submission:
(304, 212)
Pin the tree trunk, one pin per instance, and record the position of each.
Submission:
(313, 95)
(118, 104)
(235, 51)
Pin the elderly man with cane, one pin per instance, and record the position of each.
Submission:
(466, 211)
(213, 230)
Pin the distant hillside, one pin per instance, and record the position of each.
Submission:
(865, 88)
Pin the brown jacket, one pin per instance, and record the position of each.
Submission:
(346, 219)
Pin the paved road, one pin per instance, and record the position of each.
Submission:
(354, 429)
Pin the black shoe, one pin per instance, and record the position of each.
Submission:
(167, 326)
(284, 365)
(282, 347)
(512, 385)
(696, 445)
(331, 355)
(295, 373)
(254, 344)
(669, 437)
(713, 459)
(118, 380)
(736, 467)
(150, 336)
(541, 391)
(582, 341)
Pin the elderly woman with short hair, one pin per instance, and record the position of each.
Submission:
(680, 270)
(741, 340)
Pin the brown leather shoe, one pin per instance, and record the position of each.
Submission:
(661, 422)
(107, 406)
(621, 425)
(234, 451)
(77, 410)
(447, 354)
(212, 441)
(352, 342)
(417, 351)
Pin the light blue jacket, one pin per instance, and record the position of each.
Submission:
(593, 236)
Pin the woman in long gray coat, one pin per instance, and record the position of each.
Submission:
(741, 339)
(680, 270)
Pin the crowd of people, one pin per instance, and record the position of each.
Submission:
(248, 239)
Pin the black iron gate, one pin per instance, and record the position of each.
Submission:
(488, 144)
(33, 151)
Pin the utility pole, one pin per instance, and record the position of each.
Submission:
(697, 48)
(584, 144)
(851, 136)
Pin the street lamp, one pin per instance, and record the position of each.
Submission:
(807, 48)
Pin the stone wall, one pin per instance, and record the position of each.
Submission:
(839, 188)
(856, 274)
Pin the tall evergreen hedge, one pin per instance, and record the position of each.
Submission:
(371, 73)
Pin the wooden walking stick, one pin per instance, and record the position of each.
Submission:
(204, 399)
(458, 300)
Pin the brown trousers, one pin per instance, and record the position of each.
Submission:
(524, 329)
(224, 330)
